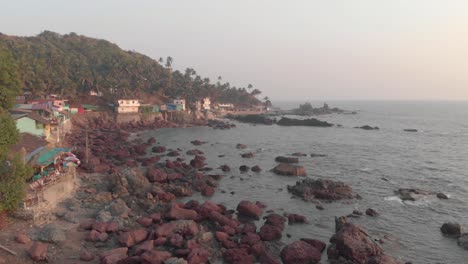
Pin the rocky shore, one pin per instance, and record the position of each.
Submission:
(128, 208)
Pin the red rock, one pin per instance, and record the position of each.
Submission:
(145, 246)
(270, 232)
(176, 240)
(86, 256)
(93, 236)
(238, 255)
(258, 249)
(166, 196)
(156, 175)
(198, 256)
(269, 259)
(100, 227)
(256, 168)
(112, 227)
(300, 252)
(22, 239)
(178, 213)
(132, 238)
(249, 209)
(103, 237)
(289, 170)
(250, 239)
(155, 257)
(160, 241)
(131, 260)
(295, 218)
(319, 245)
(221, 236)
(38, 251)
(114, 255)
(145, 221)
(87, 224)
(275, 220)
(180, 226)
(208, 191)
(249, 228)
(156, 217)
(229, 230)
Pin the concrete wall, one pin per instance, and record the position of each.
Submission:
(26, 124)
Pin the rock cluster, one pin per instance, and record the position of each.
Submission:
(322, 189)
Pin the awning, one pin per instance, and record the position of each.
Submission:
(47, 156)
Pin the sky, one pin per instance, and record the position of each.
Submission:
(291, 50)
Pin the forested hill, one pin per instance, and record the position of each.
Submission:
(72, 65)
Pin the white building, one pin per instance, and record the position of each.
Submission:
(180, 102)
(127, 106)
(204, 104)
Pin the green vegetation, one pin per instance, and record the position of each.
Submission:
(72, 65)
(13, 173)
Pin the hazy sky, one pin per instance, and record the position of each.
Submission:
(291, 50)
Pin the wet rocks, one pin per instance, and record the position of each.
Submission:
(463, 241)
(248, 155)
(244, 168)
(322, 189)
(273, 227)
(303, 122)
(241, 146)
(442, 196)
(300, 252)
(286, 159)
(38, 251)
(299, 154)
(412, 194)
(451, 229)
(296, 218)
(194, 152)
(353, 243)
(86, 256)
(156, 175)
(225, 168)
(410, 130)
(178, 213)
(173, 153)
(286, 169)
(249, 209)
(367, 127)
(159, 149)
(113, 256)
(371, 212)
(313, 155)
(198, 142)
(256, 168)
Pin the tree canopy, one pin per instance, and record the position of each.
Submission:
(71, 65)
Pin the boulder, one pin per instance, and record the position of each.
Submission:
(300, 252)
(22, 239)
(131, 238)
(322, 189)
(244, 168)
(319, 245)
(86, 256)
(178, 213)
(412, 194)
(249, 209)
(463, 241)
(270, 232)
(451, 229)
(156, 175)
(155, 257)
(442, 196)
(238, 255)
(241, 146)
(295, 218)
(286, 159)
(52, 233)
(256, 168)
(113, 256)
(38, 251)
(247, 155)
(299, 154)
(179, 226)
(303, 122)
(225, 168)
(289, 170)
(371, 212)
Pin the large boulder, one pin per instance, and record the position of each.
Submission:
(52, 233)
(156, 175)
(353, 243)
(113, 256)
(249, 209)
(287, 159)
(300, 252)
(287, 169)
(412, 194)
(270, 232)
(179, 226)
(452, 229)
(38, 251)
(131, 238)
(178, 213)
(322, 189)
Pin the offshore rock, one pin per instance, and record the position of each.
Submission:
(322, 189)
(286, 169)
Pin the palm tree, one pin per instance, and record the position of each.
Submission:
(169, 62)
(249, 86)
(161, 60)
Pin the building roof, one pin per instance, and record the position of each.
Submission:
(38, 118)
(29, 142)
(47, 156)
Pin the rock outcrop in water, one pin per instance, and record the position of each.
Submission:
(253, 119)
(352, 244)
(302, 122)
(287, 159)
(287, 169)
(367, 127)
(412, 194)
(322, 189)
(452, 229)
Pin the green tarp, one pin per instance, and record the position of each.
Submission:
(47, 156)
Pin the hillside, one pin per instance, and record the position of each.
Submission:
(72, 65)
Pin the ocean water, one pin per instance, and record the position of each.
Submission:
(435, 159)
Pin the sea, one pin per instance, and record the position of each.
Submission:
(375, 163)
